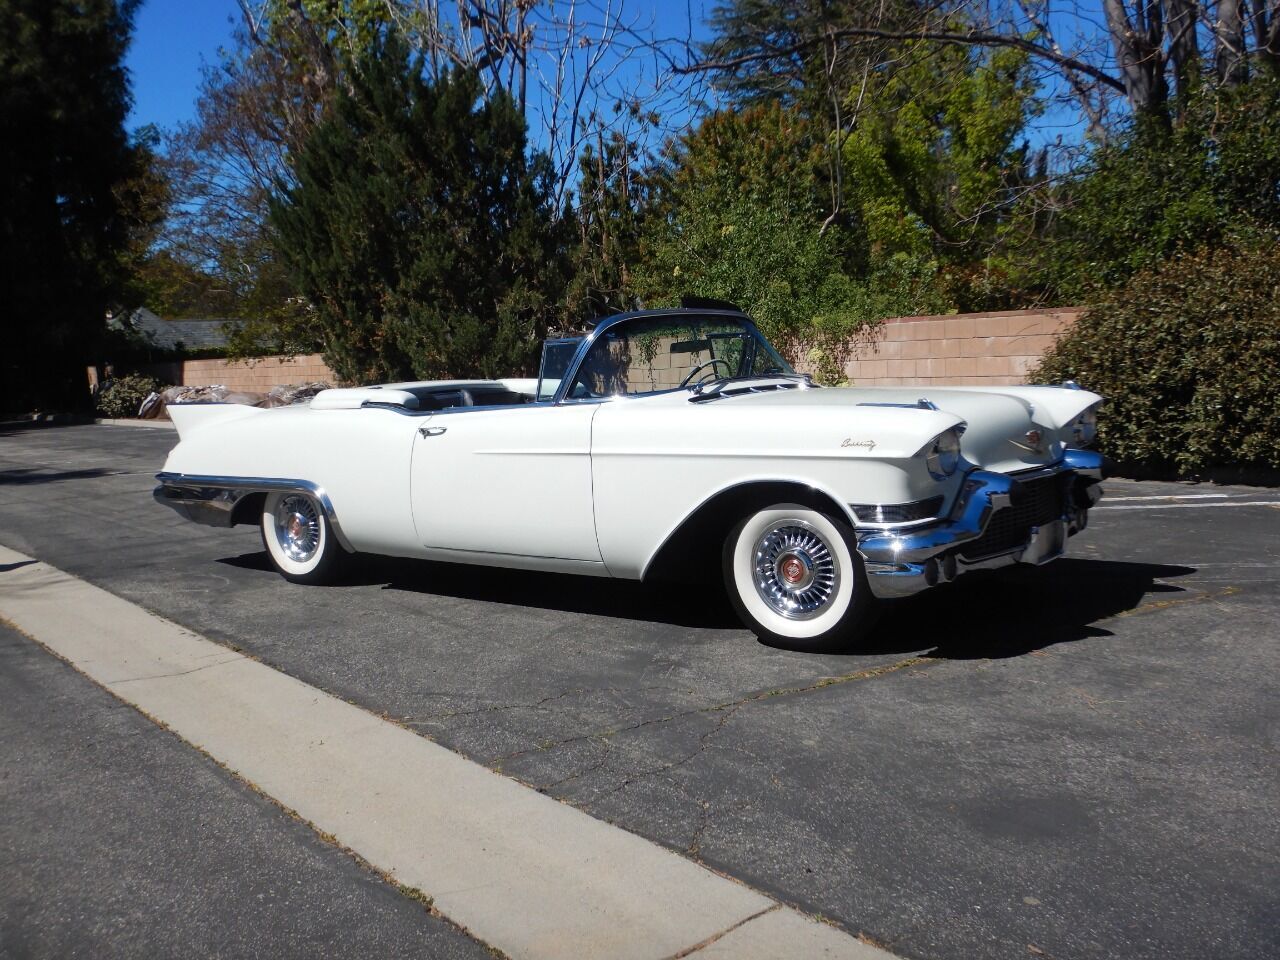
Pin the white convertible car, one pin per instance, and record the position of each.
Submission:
(664, 444)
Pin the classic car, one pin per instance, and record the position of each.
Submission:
(663, 444)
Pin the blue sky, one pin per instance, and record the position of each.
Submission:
(170, 40)
(173, 38)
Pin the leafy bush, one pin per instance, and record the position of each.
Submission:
(122, 397)
(1188, 355)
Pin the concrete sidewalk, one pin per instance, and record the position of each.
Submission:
(523, 872)
(119, 840)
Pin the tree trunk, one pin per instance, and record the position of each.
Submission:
(1266, 30)
(1141, 66)
(1228, 41)
(1181, 17)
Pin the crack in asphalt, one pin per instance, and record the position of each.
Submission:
(491, 708)
(1154, 606)
(694, 848)
(591, 768)
(703, 742)
(729, 705)
(423, 719)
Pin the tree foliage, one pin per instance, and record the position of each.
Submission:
(936, 167)
(737, 216)
(65, 211)
(1158, 190)
(420, 227)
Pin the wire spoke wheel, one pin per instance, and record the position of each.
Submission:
(794, 576)
(297, 527)
(795, 572)
(299, 539)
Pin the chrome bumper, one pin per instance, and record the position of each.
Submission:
(212, 501)
(900, 563)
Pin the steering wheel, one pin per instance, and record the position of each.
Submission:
(703, 366)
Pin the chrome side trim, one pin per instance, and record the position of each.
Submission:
(924, 403)
(211, 500)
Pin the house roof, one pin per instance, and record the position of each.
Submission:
(172, 334)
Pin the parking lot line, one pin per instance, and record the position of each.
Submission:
(522, 871)
(1189, 506)
(1180, 496)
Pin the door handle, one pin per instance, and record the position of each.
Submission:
(431, 431)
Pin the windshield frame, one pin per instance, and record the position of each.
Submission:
(601, 328)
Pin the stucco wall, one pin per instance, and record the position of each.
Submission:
(258, 375)
(973, 349)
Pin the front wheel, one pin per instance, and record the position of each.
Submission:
(794, 576)
(299, 539)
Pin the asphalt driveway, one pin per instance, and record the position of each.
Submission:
(1077, 761)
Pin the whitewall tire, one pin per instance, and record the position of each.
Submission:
(794, 576)
(299, 539)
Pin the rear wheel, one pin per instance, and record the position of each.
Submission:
(795, 578)
(299, 539)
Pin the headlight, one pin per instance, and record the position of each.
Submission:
(944, 454)
(1085, 428)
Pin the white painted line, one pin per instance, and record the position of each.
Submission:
(1182, 496)
(1190, 506)
(523, 872)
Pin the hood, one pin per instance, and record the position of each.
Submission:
(998, 420)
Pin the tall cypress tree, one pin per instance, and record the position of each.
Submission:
(64, 154)
(421, 227)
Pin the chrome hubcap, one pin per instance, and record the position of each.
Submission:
(795, 570)
(298, 528)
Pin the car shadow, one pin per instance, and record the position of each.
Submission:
(25, 476)
(1019, 610)
(985, 615)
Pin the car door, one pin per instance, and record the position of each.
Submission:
(506, 480)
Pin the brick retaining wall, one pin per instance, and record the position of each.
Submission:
(257, 375)
(971, 349)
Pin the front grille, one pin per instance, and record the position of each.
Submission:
(1040, 501)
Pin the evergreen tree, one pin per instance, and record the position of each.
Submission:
(64, 160)
(613, 193)
(421, 228)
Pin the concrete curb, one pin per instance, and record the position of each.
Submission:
(529, 875)
(135, 423)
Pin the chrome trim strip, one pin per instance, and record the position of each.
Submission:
(211, 500)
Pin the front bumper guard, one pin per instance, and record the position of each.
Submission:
(901, 563)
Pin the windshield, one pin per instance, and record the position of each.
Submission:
(650, 354)
(556, 355)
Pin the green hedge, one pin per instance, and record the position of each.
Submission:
(1187, 354)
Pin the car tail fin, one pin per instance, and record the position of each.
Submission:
(189, 417)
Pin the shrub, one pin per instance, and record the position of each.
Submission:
(1187, 353)
(123, 397)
